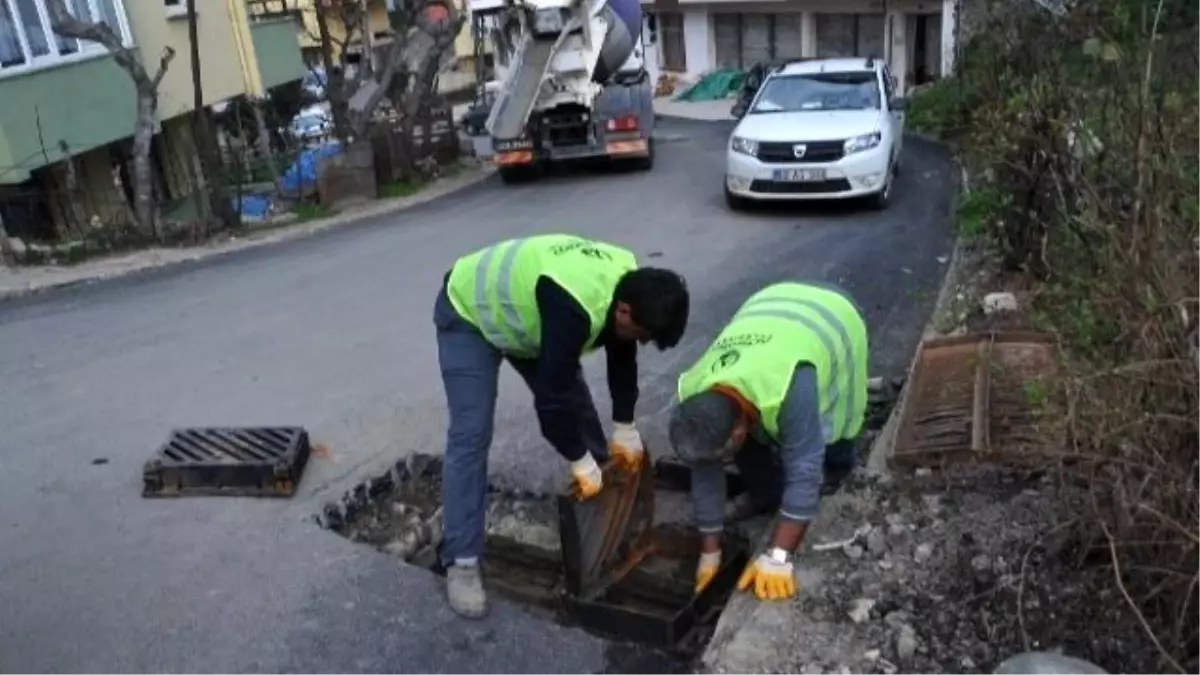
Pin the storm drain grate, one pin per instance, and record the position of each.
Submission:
(974, 396)
(233, 462)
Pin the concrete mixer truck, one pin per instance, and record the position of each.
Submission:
(569, 83)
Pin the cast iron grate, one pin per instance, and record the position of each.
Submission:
(233, 462)
(974, 397)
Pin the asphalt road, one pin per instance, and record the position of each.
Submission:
(334, 333)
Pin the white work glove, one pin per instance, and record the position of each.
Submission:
(626, 447)
(586, 477)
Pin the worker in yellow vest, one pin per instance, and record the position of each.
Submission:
(541, 303)
(781, 392)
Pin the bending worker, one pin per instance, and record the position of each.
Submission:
(541, 303)
(782, 393)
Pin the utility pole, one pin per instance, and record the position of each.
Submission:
(211, 182)
(368, 40)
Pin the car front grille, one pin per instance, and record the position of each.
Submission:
(775, 187)
(815, 152)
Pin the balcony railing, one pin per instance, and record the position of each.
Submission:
(260, 10)
(28, 43)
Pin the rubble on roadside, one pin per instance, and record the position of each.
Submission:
(947, 570)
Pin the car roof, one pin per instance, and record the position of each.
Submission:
(840, 65)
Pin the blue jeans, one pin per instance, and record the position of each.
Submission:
(470, 372)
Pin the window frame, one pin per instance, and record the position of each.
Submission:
(87, 49)
(671, 39)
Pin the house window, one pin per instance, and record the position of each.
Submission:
(670, 30)
(28, 42)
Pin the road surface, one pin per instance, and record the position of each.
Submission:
(334, 333)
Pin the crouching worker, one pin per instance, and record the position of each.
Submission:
(782, 393)
(541, 303)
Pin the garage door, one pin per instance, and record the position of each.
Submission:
(849, 35)
(756, 38)
(725, 35)
(787, 36)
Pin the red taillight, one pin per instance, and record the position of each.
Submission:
(623, 123)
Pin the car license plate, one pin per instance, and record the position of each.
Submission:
(800, 175)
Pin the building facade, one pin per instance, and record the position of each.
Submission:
(689, 38)
(67, 110)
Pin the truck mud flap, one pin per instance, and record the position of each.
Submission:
(232, 462)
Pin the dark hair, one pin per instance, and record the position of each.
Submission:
(701, 425)
(658, 302)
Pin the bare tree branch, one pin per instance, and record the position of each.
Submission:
(67, 25)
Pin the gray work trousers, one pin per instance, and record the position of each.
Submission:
(470, 371)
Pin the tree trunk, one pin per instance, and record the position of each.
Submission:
(264, 140)
(335, 83)
(143, 187)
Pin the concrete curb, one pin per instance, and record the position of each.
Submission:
(116, 267)
(885, 444)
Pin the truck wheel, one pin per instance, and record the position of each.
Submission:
(517, 174)
(646, 163)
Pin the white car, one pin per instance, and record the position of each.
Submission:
(817, 129)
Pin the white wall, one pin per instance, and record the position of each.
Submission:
(699, 40)
(652, 52)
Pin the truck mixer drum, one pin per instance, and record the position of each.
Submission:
(561, 58)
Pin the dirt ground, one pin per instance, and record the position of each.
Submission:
(961, 569)
(966, 566)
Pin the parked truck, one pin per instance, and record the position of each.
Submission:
(569, 82)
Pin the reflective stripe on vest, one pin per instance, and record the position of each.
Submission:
(494, 289)
(775, 330)
(512, 336)
(843, 359)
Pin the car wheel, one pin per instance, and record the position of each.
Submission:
(880, 200)
(735, 202)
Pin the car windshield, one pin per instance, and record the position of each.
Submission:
(819, 91)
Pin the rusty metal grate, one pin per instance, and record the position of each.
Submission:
(971, 396)
(247, 461)
(604, 536)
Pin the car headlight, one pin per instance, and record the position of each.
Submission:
(548, 20)
(743, 145)
(864, 142)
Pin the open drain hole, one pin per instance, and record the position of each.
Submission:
(651, 616)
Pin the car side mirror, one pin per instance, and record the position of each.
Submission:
(896, 104)
(738, 110)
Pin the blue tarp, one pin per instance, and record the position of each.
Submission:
(303, 172)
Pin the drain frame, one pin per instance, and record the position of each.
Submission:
(602, 616)
(228, 462)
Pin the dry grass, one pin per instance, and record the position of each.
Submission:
(1082, 133)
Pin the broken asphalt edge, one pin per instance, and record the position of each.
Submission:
(753, 636)
(254, 240)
